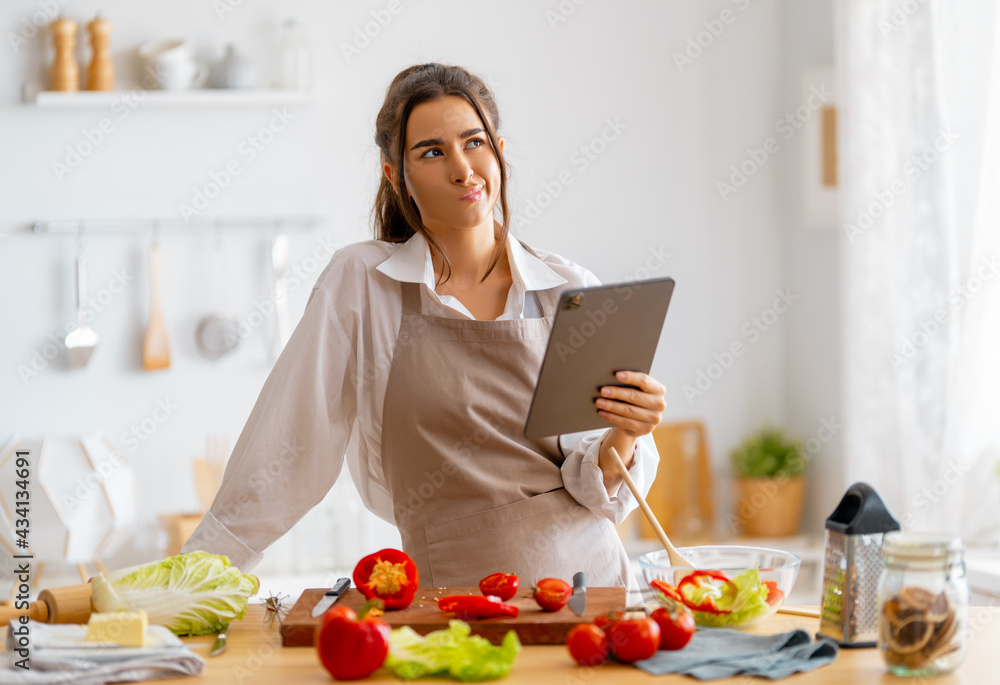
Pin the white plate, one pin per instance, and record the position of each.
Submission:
(70, 641)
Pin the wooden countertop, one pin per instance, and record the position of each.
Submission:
(255, 655)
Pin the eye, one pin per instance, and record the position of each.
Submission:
(430, 153)
(475, 142)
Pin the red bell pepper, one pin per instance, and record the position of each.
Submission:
(352, 646)
(669, 590)
(475, 607)
(389, 575)
(700, 589)
(774, 595)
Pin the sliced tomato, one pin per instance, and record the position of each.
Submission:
(774, 595)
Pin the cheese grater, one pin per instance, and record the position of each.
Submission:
(853, 565)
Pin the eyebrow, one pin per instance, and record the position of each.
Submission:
(437, 141)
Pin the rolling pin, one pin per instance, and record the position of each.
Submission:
(69, 604)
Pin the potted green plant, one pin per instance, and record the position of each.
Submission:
(769, 483)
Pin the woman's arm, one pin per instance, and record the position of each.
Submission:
(291, 449)
(635, 412)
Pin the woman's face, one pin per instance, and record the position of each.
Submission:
(450, 168)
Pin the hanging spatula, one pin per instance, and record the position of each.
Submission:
(155, 346)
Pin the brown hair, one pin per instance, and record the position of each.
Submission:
(395, 215)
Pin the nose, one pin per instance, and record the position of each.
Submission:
(461, 170)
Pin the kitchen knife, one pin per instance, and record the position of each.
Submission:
(219, 646)
(578, 601)
(331, 596)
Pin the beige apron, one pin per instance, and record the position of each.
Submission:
(471, 495)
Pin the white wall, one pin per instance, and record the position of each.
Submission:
(653, 188)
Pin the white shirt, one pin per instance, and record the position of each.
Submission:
(327, 390)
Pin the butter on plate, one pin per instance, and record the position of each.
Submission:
(126, 628)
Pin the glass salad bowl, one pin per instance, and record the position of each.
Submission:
(732, 586)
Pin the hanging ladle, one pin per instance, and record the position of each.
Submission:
(82, 340)
(218, 333)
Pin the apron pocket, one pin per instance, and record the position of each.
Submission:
(548, 535)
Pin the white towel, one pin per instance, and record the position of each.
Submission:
(54, 665)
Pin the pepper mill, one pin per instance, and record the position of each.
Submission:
(65, 72)
(101, 74)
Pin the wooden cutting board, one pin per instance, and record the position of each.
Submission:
(533, 626)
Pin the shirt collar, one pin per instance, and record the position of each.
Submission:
(411, 263)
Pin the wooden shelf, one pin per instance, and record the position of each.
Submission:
(207, 97)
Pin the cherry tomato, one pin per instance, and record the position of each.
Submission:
(588, 644)
(676, 625)
(552, 593)
(634, 639)
(605, 620)
(502, 585)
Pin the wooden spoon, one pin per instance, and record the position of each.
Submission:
(676, 558)
(155, 346)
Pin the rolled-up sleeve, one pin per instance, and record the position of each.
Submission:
(584, 479)
(291, 449)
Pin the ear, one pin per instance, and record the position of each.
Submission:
(500, 140)
(391, 174)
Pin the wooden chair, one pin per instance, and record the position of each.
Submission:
(681, 496)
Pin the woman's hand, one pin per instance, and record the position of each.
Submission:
(634, 412)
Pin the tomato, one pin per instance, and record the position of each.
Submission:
(588, 644)
(634, 639)
(552, 593)
(352, 647)
(605, 620)
(676, 625)
(502, 585)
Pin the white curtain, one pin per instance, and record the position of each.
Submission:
(919, 120)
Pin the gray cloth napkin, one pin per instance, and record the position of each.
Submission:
(722, 653)
(49, 666)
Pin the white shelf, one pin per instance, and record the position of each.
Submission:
(207, 97)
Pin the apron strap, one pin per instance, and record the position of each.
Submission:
(411, 298)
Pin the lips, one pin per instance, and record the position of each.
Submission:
(474, 194)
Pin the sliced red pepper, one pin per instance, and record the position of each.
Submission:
(669, 590)
(701, 579)
(389, 575)
(774, 595)
(475, 607)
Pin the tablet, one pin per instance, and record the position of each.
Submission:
(597, 331)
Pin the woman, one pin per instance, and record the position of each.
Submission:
(424, 345)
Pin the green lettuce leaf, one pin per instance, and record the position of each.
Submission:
(191, 594)
(747, 603)
(453, 651)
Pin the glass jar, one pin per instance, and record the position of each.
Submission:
(923, 599)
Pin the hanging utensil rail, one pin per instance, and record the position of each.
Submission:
(176, 225)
